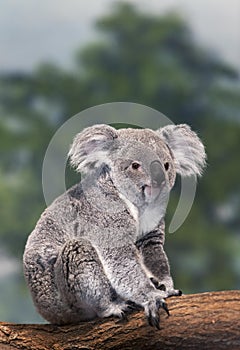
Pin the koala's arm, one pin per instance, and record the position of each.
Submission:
(124, 268)
(156, 260)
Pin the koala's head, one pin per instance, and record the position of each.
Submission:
(142, 163)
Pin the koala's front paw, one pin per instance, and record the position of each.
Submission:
(164, 286)
(152, 310)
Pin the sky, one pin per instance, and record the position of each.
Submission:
(33, 31)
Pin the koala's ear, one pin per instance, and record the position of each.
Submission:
(187, 149)
(91, 147)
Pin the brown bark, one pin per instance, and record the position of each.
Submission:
(200, 321)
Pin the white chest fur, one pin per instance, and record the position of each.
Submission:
(148, 219)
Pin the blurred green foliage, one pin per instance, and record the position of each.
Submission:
(151, 60)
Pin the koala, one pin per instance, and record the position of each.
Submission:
(97, 250)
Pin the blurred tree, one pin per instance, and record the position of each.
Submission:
(147, 59)
(25, 134)
(152, 60)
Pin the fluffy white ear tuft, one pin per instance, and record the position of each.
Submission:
(187, 149)
(90, 148)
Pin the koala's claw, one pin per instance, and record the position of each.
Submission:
(133, 306)
(123, 316)
(165, 308)
(152, 312)
(157, 284)
(169, 292)
(154, 320)
(174, 293)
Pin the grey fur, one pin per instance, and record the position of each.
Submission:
(98, 249)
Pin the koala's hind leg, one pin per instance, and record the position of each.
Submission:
(83, 284)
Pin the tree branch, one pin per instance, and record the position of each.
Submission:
(200, 321)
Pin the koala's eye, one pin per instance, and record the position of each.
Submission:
(166, 166)
(135, 165)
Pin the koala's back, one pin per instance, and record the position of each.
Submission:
(58, 224)
(71, 216)
(77, 213)
(51, 227)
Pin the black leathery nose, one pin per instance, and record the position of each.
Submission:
(157, 173)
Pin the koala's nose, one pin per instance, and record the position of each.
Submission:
(157, 173)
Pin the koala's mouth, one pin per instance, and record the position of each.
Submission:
(150, 192)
